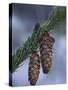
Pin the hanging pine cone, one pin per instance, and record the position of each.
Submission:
(46, 47)
(34, 68)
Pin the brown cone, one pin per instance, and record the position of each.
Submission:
(34, 68)
(46, 46)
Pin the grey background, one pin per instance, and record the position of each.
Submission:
(24, 18)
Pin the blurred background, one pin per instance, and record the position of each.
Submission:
(24, 18)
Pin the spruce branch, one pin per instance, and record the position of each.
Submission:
(55, 16)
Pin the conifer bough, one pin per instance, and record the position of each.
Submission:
(56, 15)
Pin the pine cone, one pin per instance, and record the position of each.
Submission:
(46, 47)
(34, 68)
(37, 26)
